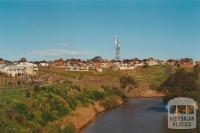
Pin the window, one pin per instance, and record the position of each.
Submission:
(173, 109)
(181, 109)
(190, 109)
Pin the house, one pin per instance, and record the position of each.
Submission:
(162, 63)
(153, 62)
(99, 69)
(15, 63)
(59, 64)
(1, 67)
(186, 63)
(21, 70)
(84, 67)
(77, 67)
(44, 64)
(106, 65)
(91, 66)
(197, 63)
(14, 71)
(138, 63)
(30, 68)
(171, 62)
(126, 66)
(2, 62)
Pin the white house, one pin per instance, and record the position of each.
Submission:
(76, 67)
(14, 71)
(30, 68)
(137, 64)
(126, 66)
(1, 67)
(99, 69)
(43, 64)
(153, 62)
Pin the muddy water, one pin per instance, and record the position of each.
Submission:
(139, 115)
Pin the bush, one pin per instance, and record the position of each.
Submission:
(69, 129)
(72, 102)
(127, 80)
(95, 95)
(21, 108)
(46, 117)
(27, 93)
(197, 69)
(36, 88)
(59, 107)
(180, 84)
(109, 103)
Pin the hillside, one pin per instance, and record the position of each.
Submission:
(51, 100)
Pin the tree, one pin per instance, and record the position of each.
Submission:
(23, 59)
(180, 84)
(186, 60)
(97, 59)
(127, 80)
(197, 69)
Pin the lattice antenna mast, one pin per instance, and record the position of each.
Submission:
(117, 49)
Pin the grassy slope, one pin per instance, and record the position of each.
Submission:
(153, 75)
(27, 109)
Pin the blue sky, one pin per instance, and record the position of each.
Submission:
(49, 29)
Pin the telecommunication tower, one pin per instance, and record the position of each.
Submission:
(117, 49)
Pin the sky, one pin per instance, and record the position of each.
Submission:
(50, 29)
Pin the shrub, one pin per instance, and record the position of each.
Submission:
(36, 88)
(21, 108)
(28, 94)
(95, 95)
(72, 102)
(127, 80)
(197, 69)
(59, 107)
(109, 103)
(46, 117)
(69, 129)
(182, 82)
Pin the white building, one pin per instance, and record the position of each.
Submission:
(1, 67)
(126, 66)
(14, 71)
(76, 67)
(30, 68)
(43, 64)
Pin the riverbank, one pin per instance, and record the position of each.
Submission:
(144, 92)
(83, 116)
(138, 115)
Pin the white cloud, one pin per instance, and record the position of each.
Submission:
(60, 52)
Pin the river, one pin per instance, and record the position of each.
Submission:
(139, 115)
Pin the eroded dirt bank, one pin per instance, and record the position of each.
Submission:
(84, 115)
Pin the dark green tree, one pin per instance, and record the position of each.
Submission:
(127, 80)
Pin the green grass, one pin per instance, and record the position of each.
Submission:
(25, 110)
